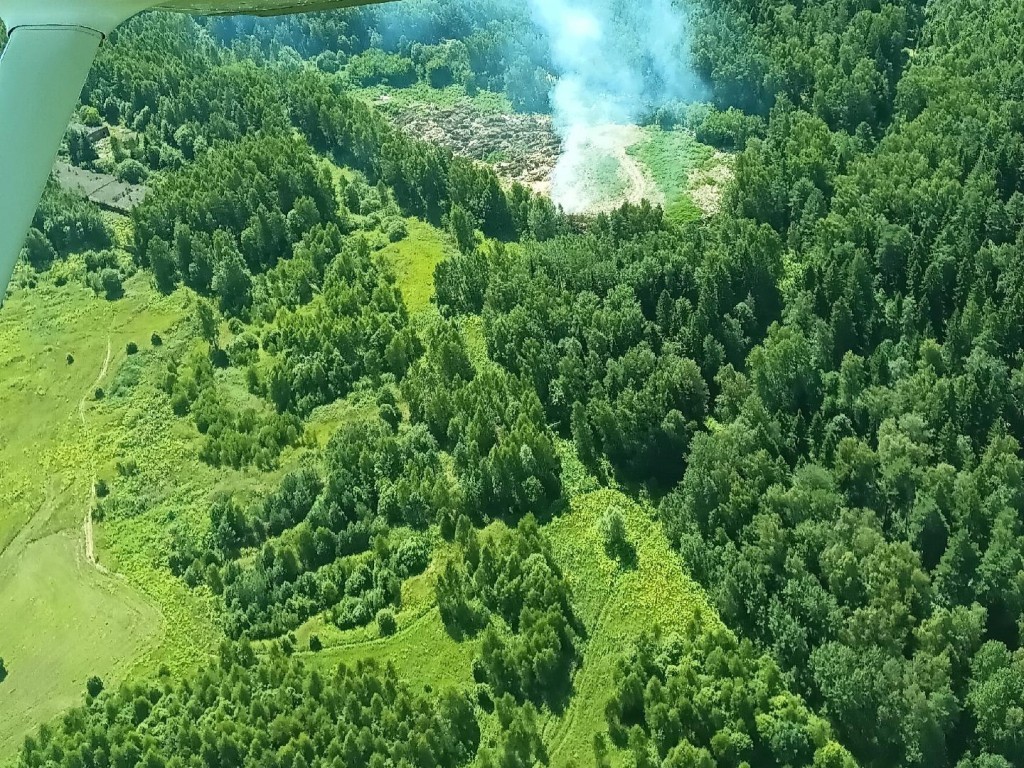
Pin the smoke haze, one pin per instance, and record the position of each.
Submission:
(616, 60)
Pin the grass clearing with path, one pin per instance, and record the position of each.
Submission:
(616, 604)
(413, 260)
(66, 619)
(674, 159)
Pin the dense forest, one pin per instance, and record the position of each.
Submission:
(819, 390)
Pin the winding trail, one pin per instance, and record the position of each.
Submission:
(578, 186)
(90, 548)
(641, 185)
(558, 729)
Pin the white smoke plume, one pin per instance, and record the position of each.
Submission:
(616, 60)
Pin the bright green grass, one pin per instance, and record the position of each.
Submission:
(61, 619)
(615, 605)
(421, 649)
(131, 615)
(413, 260)
(472, 327)
(672, 158)
(422, 652)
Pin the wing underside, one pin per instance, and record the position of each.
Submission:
(260, 7)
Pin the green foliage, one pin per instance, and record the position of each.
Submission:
(363, 715)
(730, 129)
(462, 229)
(94, 686)
(91, 117)
(675, 159)
(583, 317)
(702, 698)
(386, 623)
(520, 742)
(615, 538)
(821, 385)
(131, 171)
(80, 148)
(841, 59)
(38, 251)
(250, 234)
(460, 283)
(70, 224)
(110, 283)
(316, 534)
(510, 587)
(375, 67)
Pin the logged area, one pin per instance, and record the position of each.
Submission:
(509, 383)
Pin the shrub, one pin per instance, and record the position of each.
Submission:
(91, 117)
(243, 350)
(397, 230)
(314, 643)
(99, 394)
(219, 358)
(386, 622)
(128, 468)
(71, 359)
(38, 251)
(131, 172)
(613, 534)
(132, 348)
(110, 282)
(411, 556)
(94, 686)
(155, 340)
(730, 130)
(102, 489)
(375, 67)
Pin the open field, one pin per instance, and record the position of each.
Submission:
(75, 619)
(413, 260)
(64, 621)
(421, 649)
(691, 175)
(72, 619)
(616, 603)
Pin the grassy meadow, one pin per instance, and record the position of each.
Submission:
(128, 615)
(674, 159)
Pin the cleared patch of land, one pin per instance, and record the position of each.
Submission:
(102, 188)
(595, 169)
(616, 603)
(521, 148)
(64, 621)
(692, 176)
(421, 649)
(413, 260)
(596, 172)
(72, 620)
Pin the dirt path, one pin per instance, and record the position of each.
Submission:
(90, 548)
(582, 181)
(562, 727)
(641, 185)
